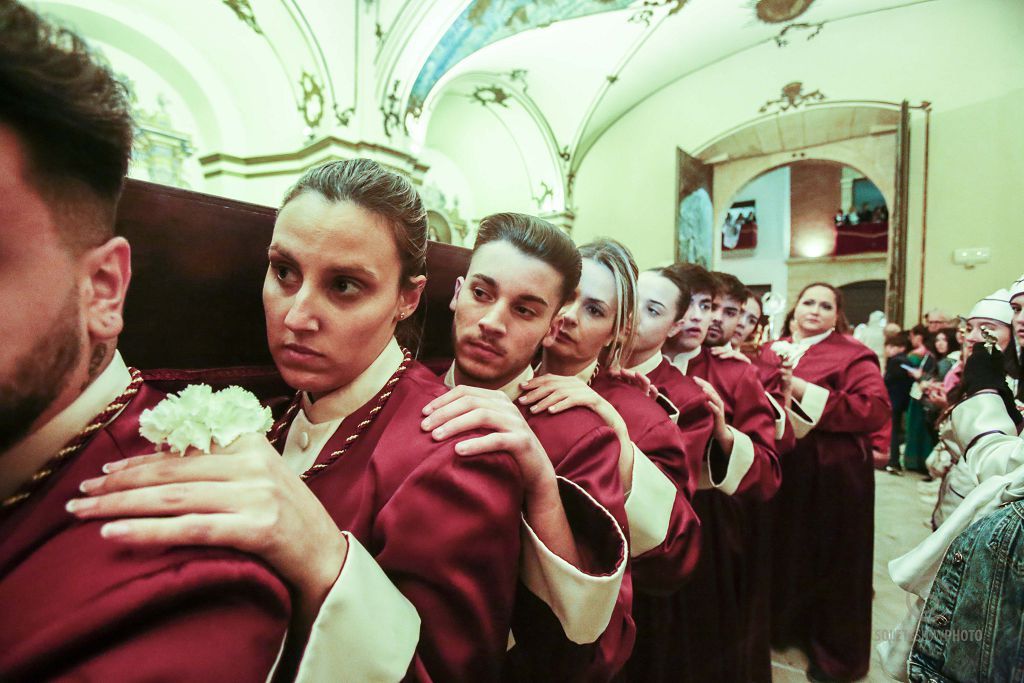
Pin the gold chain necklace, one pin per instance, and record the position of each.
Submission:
(382, 399)
(74, 446)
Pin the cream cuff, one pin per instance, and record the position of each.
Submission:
(808, 411)
(649, 505)
(366, 629)
(582, 602)
(780, 417)
(740, 460)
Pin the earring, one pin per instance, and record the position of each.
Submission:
(401, 316)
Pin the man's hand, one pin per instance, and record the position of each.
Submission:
(242, 497)
(721, 431)
(786, 382)
(467, 408)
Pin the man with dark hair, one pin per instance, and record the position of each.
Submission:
(78, 606)
(573, 620)
(726, 309)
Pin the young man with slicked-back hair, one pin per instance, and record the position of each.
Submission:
(572, 618)
(76, 605)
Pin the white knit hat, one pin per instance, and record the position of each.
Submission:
(1017, 288)
(995, 306)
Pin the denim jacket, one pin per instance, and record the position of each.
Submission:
(972, 628)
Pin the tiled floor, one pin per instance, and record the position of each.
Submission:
(903, 506)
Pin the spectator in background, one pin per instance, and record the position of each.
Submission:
(898, 383)
(947, 351)
(851, 216)
(864, 215)
(839, 219)
(935, 320)
(920, 436)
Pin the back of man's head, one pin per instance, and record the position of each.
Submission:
(691, 279)
(72, 119)
(537, 238)
(730, 286)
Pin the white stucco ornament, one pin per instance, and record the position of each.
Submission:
(198, 417)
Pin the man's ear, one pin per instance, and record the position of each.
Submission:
(106, 272)
(410, 295)
(553, 329)
(677, 326)
(459, 281)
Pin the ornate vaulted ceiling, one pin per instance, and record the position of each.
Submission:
(464, 85)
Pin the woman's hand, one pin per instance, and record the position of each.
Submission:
(242, 497)
(727, 351)
(637, 379)
(556, 393)
(466, 408)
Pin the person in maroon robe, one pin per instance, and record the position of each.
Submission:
(597, 326)
(77, 606)
(824, 511)
(572, 619)
(421, 581)
(742, 464)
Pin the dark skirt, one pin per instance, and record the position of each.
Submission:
(822, 553)
(698, 633)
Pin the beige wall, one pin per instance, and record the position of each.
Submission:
(975, 189)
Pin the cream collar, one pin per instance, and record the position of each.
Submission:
(511, 389)
(345, 400)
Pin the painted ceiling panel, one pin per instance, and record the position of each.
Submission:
(485, 22)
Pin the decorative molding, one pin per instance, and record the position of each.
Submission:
(780, 11)
(391, 110)
(312, 106)
(344, 117)
(815, 29)
(645, 12)
(243, 10)
(545, 193)
(519, 76)
(792, 97)
(487, 95)
(159, 148)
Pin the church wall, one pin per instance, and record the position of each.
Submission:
(976, 181)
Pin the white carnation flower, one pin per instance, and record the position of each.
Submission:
(198, 417)
(784, 349)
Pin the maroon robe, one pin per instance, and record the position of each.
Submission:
(824, 514)
(584, 450)
(695, 420)
(78, 607)
(444, 528)
(757, 565)
(664, 568)
(723, 591)
(659, 618)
